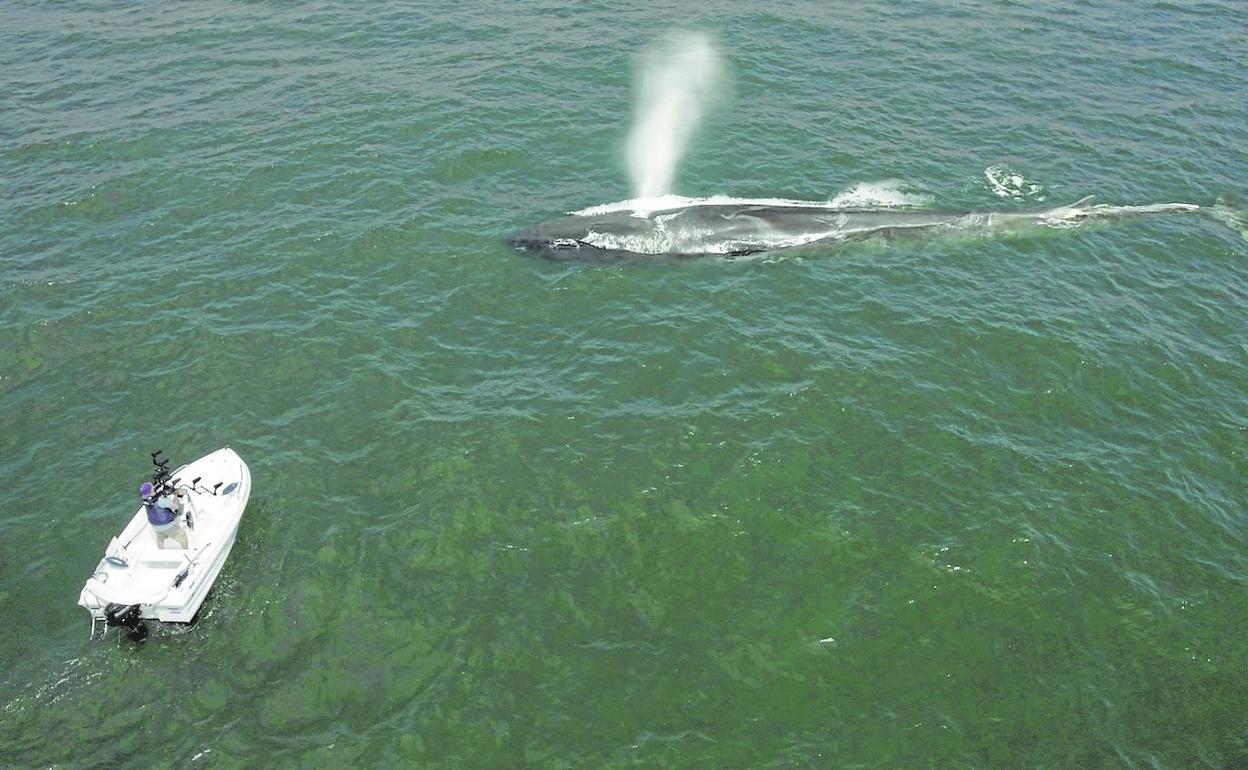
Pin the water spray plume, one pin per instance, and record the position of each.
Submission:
(678, 81)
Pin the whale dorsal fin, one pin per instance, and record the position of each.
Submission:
(1083, 203)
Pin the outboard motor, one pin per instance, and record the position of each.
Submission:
(126, 616)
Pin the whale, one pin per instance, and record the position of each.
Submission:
(679, 227)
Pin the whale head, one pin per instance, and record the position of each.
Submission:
(573, 236)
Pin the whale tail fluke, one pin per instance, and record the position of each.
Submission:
(1231, 212)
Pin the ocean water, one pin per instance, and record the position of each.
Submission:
(959, 504)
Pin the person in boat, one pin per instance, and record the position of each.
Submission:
(162, 514)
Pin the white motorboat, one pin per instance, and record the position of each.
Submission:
(163, 573)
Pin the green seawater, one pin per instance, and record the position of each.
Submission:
(952, 504)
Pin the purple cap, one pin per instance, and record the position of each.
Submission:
(146, 489)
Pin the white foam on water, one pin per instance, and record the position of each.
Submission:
(646, 206)
(1008, 183)
(678, 81)
(890, 193)
(886, 193)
